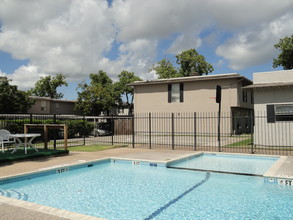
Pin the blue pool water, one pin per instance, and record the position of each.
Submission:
(257, 165)
(126, 191)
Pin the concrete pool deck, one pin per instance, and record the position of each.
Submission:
(18, 210)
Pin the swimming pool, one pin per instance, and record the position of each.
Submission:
(135, 190)
(229, 163)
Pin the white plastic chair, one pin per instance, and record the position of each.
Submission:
(5, 138)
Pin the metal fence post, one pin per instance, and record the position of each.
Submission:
(54, 131)
(252, 132)
(31, 118)
(112, 125)
(150, 129)
(173, 138)
(194, 127)
(84, 132)
(133, 131)
(219, 128)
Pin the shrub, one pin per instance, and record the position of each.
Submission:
(76, 128)
(79, 128)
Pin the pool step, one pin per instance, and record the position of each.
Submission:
(14, 194)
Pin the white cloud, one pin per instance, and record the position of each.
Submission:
(2, 74)
(25, 76)
(184, 42)
(72, 41)
(150, 75)
(239, 14)
(32, 14)
(136, 56)
(74, 36)
(157, 19)
(254, 47)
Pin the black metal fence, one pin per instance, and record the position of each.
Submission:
(256, 133)
(209, 132)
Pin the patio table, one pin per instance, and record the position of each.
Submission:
(25, 140)
(46, 128)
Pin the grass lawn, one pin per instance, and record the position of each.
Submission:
(7, 156)
(242, 143)
(91, 148)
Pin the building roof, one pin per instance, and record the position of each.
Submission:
(50, 99)
(268, 85)
(190, 79)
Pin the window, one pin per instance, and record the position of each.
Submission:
(279, 113)
(43, 105)
(284, 112)
(175, 92)
(244, 96)
(57, 106)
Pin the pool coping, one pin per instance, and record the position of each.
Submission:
(270, 177)
(50, 211)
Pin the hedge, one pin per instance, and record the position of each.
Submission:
(76, 128)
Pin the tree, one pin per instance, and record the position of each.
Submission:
(165, 69)
(191, 62)
(97, 97)
(122, 88)
(285, 58)
(12, 100)
(47, 86)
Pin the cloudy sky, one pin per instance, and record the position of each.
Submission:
(78, 37)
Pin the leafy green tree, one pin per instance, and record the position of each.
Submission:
(47, 86)
(191, 62)
(97, 97)
(12, 100)
(165, 69)
(285, 58)
(122, 88)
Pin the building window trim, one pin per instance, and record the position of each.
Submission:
(279, 113)
(175, 92)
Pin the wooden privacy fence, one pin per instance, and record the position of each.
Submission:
(123, 126)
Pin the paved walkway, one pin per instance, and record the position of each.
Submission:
(19, 210)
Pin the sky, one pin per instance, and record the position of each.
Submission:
(79, 37)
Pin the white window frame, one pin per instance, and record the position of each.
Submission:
(175, 92)
(284, 112)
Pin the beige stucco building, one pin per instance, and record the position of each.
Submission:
(273, 97)
(46, 105)
(197, 94)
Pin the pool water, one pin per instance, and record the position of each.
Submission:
(126, 191)
(240, 164)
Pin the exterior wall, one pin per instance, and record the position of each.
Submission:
(45, 105)
(272, 77)
(279, 133)
(37, 107)
(199, 96)
(62, 107)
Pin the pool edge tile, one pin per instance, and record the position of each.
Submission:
(46, 209)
